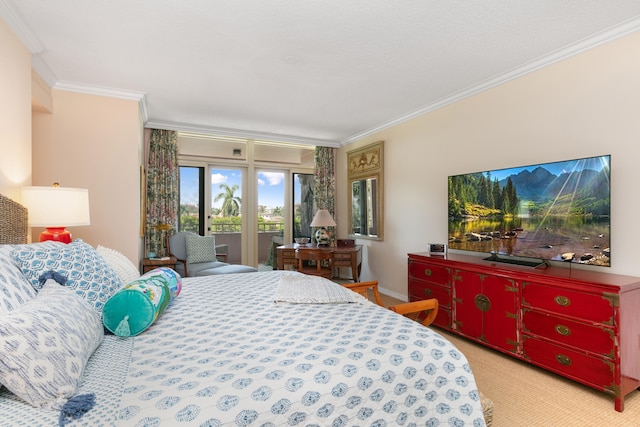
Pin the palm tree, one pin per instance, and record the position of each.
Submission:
(231, 204)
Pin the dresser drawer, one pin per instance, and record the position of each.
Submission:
(594, 307)
(595, 371)
(429, 272)
(595, 339)
(419, 290)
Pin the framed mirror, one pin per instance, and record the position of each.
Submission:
(365, 176)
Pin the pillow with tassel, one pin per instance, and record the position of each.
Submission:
(45, 345)
(132, 309)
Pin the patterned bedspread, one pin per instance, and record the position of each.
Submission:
(225, 354)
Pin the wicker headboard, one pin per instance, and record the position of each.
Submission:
(13, 221)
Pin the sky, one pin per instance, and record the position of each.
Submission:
(556, 168)
(270, 186)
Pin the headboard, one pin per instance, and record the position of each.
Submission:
(13, 221)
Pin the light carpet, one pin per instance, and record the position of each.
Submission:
(524, 395)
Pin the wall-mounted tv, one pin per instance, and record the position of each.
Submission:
(556, 211)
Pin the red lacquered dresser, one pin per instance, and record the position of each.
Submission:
(581, 324)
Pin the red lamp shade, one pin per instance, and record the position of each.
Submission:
(56, 208)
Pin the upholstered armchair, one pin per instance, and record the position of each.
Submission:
(196, 254)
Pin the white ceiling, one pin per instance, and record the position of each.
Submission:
(323, 72)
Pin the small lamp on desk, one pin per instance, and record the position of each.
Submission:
(56, 208)
(323, 219)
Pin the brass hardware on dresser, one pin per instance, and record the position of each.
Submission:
(482, 302)
(563, 360)
(581, 324)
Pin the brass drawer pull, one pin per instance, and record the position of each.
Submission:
(428, 292)
(562, 301)
(427, 272)
(563, 360)
(563, 330)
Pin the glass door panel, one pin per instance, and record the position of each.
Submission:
(191, 191)
(302, 204)
(271, 214)
(225, 215)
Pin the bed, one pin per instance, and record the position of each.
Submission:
(240, 350)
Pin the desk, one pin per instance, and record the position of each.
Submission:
(342, 257)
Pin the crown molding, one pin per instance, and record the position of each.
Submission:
(628, 27)
(11, 17)
(99, 90)
(239, 133)
(130, 95)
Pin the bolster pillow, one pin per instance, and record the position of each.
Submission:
(137, 305)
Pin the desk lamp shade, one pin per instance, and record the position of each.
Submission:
(56, 208)
(323, 219)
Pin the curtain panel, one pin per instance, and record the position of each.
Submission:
(325, 179)
(162, 197)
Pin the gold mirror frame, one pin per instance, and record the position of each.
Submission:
(365, 175)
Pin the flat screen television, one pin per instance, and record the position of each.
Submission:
(528, 215)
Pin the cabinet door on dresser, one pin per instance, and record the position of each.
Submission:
(485, 307)
(431, 281)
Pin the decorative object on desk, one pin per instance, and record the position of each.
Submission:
(56, 208)
(323, 219)
(439, 249)
(345, 243)
(302, 241)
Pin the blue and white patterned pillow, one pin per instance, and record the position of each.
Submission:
(45, 345)
(15, 289)
(87, 272)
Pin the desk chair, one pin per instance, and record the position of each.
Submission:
(323, 262)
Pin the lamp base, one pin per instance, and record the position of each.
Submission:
(322, 237)
(58, 234)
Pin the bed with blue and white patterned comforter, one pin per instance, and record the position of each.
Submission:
(225, 354)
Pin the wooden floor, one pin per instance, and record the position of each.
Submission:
(389, 301)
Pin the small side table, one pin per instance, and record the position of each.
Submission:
(149, 264)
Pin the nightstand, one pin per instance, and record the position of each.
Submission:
(149, 264)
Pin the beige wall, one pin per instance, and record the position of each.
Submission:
(15, 113)
(94, 142)
(584, 106)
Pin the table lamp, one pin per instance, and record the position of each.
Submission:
(323, 219)
(56, 208)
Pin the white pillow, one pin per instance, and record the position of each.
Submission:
(45, 344)
(123, 267)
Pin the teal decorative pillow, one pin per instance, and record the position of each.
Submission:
(135, 307)
(200, 248)
(86, 271)
(45, 344)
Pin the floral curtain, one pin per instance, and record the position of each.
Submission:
(162, 190)
(325, 179)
